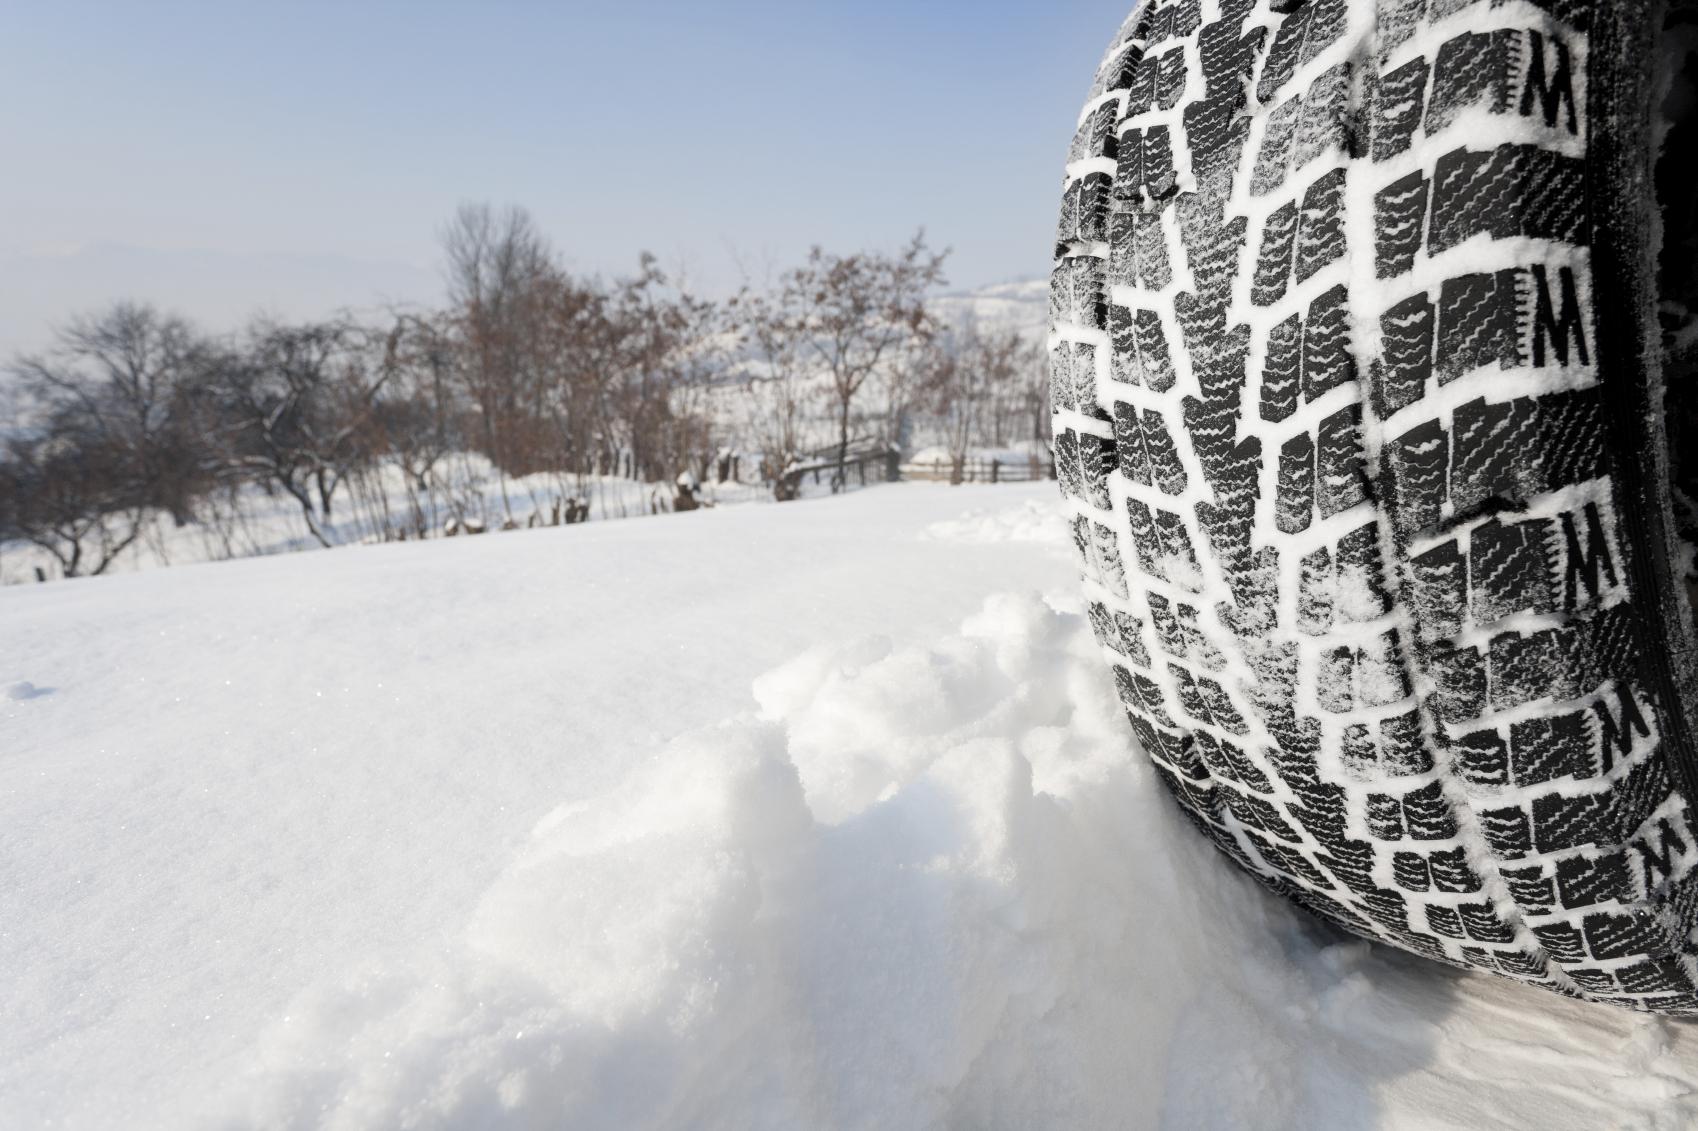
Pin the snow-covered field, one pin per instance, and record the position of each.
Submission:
(252, 523)
(819, 815)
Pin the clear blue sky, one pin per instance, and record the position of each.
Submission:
(708, 132)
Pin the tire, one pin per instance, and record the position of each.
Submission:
(1358, 394)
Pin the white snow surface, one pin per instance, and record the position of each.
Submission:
(821, 815)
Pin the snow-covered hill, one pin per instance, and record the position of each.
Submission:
(765, 817)
(1021, 305)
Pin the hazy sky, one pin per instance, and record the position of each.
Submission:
(220, 156)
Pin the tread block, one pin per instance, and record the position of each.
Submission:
(1146, 449)
(1301, 38)
(1400, 374)
(1084, 213)
(1409, 869)
(1395, 108)
(1546, 748)
(1315, 593)
(1619, 936)
(1563, 942)
(1097, 458)
(1481, 758)
(1295, 505)
(1583, 881)
(1111, 570)
(1278, 249)
(1282, 369)
(1327, 360)
(1163, 545)
(1658, 976)
(1451, 871)
(1320, 227)
(1341, 477)
(1427, 814)
(1477, 324)
(1571, 437)
(1444, 921)
(1400, 215)
(1077, 293)
(1514, 190)
(1532, 889)
(1509, 569)
(1403, 748)
(1141, 351)
(1326, 119)
(1492, 453)
(1438, 580)
(1096, 135)
(1472, 68)
(1481, 922)
(1526, 668)
(1279, 146)
(1067, 474)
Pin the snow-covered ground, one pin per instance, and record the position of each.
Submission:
(809, 816)
(253, 523)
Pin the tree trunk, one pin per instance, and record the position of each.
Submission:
(299, 494)
(325, 490)
(842, 479)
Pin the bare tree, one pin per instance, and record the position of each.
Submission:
(774, 387)
(499, 266)
(969, 385)
(856, 313)
(295, 402)
(671, 350)
(71, 493)
(124, 380)
(416, 418)
(1032, 391)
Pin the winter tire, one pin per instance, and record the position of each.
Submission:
(1359, 393)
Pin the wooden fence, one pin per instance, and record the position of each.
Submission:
(981, 470)
(865, 462)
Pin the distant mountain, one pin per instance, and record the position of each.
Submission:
(1022, 305)
(41, 289)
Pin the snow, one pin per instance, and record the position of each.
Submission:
(821, 815)
(1017, 453)
(471, 494)
(1021, 305)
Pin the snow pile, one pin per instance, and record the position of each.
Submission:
(914, 890)
(926, 886)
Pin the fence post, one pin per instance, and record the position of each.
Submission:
(996, 471)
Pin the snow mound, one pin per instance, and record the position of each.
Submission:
(1030, 522)
(925, 886)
